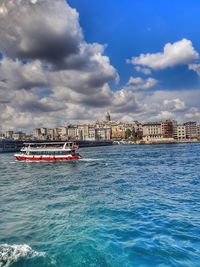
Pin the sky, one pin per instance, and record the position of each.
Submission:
(72, 61)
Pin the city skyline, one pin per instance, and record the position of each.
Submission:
(107, 129)
(92, 57)
(92, 123)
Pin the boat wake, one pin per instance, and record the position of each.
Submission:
(88, 159)
(22, 255)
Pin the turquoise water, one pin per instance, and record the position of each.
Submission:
(121, 206)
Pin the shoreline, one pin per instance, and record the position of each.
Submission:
(8, 146)
(156, 143)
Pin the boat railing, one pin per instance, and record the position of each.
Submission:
(70, 145)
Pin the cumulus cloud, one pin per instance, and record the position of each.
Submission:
(50, 76)
(164, 115)
(193, 114)
(141, 69)
(179, 53)
(48, 73)
(124, 101)
(48, 68)
(154, 103)
(17, 75)
(137, 83)
(175, 104)
(195, 67)
(42, 29)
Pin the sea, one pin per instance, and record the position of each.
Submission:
(120, 206)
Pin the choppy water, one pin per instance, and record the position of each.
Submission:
(121, 206)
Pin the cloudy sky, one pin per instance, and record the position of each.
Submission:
(63, 62)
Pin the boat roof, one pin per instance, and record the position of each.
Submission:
(48, 143)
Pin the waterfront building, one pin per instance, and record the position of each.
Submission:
(37, 133)
(61, 133)
(2, 136)
(181, 133)
(167, 129)
(103, 133)
(83, 132)
(198, 132)
(40, 133)
(174, 126)
(9, 134)
(118, 131)
(52, 134)
(137, 129)
(91, 133)
(152, 131)
(19, 136)
(191, 129)
(72, 132)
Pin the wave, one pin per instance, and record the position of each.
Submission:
(10, 255)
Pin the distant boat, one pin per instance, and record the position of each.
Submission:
(51, 151)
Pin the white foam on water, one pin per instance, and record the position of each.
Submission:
(87, 159)
(12, 253)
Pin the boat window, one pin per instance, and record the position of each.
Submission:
(51, 153)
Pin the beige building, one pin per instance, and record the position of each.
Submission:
(73, 132)
(103, 133)
(83, 131)
(152, 131)
(91, 133)
(94, 132)
(9, 134)
(62, 132)
(40, 133)
(118, 131)
(53, 134)
(19, 136)
(181, 132)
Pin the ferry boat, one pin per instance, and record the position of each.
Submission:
(51, 151)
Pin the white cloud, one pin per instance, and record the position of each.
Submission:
(193, 114)
(17, 75)
(175, 104)
(47, 29)
(179, 53)
(137, 83)
(49, 75)
(195, 67)
(178, 103)
(164, 115)
(143, 70)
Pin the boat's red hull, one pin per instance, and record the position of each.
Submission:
(47, 158)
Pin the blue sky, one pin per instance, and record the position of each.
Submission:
(130, 28)
(72, 61)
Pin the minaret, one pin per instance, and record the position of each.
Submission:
(107, 117)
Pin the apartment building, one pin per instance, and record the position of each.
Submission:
(191, 129)
(152, 131)
(181, 132)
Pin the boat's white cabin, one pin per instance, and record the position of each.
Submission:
(49, 146)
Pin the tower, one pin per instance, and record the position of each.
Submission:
(107, 117)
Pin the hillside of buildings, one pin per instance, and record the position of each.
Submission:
(135, 132)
